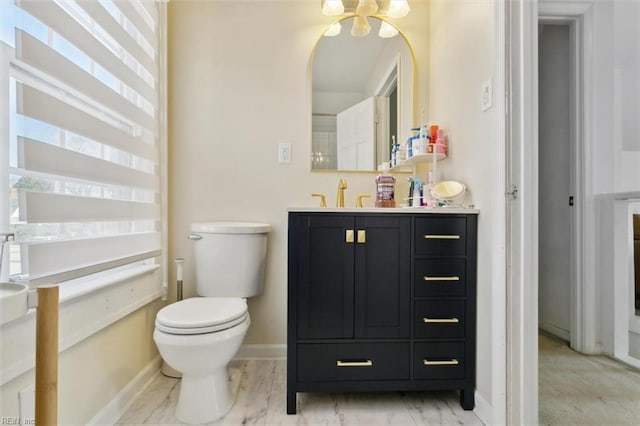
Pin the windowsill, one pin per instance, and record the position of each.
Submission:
(77, 290)
(71, 292)
(86, 307)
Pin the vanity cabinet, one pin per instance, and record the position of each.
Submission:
(381, 302)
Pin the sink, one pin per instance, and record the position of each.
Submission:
(13, 301)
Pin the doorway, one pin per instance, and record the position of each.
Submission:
(556, 167)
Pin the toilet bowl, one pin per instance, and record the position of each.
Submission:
(199, 337)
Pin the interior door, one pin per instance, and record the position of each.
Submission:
(356, 139)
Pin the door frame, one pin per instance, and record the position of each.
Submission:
(583, 301)
(522, 216)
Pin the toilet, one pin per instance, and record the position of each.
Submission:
(199, 336)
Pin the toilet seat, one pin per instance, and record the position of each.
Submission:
(200, 315)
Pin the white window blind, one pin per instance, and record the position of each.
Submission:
(84, 136)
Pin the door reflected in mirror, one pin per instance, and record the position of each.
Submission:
(362, 98)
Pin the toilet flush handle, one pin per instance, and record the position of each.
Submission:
(195, 237)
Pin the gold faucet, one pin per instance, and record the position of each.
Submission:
(342, 185)
(323, 200)
(359, 199)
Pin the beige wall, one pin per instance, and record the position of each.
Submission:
(462, 58)
(92, 372)
(239, 84)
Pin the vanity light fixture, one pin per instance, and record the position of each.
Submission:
(333, 7)
(398, 9)
(360, 10)
(361, 27)
(386, 30)
(366, 8)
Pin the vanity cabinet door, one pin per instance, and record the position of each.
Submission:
(325, 276)
(383, 277)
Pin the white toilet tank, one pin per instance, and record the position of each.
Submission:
(229, 258)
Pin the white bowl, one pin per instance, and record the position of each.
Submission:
(449, 191)
(13, 301)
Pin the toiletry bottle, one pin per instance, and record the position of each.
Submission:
(423, 140)
(400, 153)
(415, 198)
(441, 143)
(427, 199)
(386, 185)
(394, 155)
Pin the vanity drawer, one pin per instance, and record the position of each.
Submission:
(440, 277)
(353, 361)
(441, 236)
(440, 360)
(439, 318)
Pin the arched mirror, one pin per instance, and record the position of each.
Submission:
(362, 98)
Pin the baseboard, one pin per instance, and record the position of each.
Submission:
(110, 414)
(556, 331)
(248, 351)
(483, 409)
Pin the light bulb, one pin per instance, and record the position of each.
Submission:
(333, 30)
(333, 7)
(387, 30)
(367, 7)
(398, 9)
(360, 27)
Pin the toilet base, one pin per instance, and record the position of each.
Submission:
(203, 399)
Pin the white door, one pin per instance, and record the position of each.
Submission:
(356, 138)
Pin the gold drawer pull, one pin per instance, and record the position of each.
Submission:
(449, 362)
(362, 236)
(442, 237)
(441, 320)
(453, 278)
(367, 363)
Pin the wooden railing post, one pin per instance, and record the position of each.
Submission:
(47, 356)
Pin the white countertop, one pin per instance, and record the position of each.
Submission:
(421, 210)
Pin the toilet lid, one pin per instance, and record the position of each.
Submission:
(201, 315)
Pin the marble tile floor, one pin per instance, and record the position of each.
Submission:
(578, 389)
(261, 401)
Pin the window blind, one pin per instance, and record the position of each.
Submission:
(84, 137)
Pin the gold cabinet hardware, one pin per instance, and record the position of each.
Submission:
(349, 236)
(323, 199)
(362, 236)
(453, 278)
(441, 320)
(448, 362)
(359, 200)
(367, 363)
(442, 237)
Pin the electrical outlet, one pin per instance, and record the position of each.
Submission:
(486, 95)
(284, 153)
